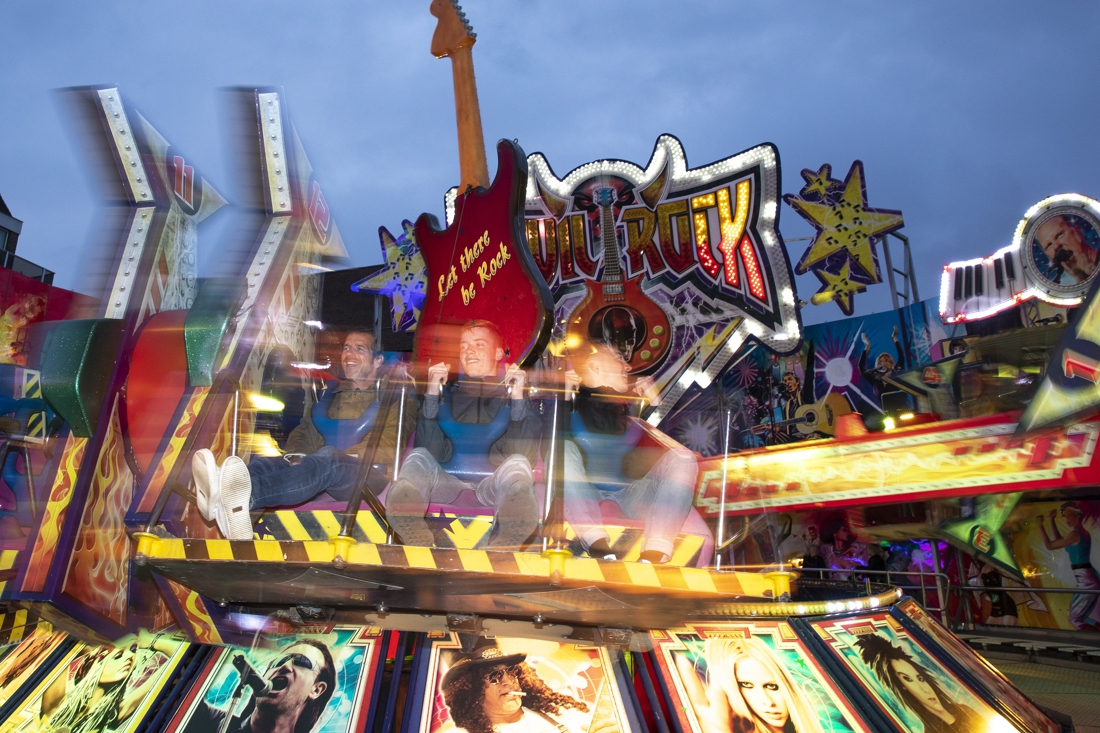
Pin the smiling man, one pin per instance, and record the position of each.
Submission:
(323, 452)
(302, 678)
(479, 432)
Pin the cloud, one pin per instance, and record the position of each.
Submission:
(964, 114)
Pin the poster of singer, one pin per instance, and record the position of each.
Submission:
(527, 685)
(21, 662)
(909, 684)
(306, 682)
(749, 677)
(100, 687)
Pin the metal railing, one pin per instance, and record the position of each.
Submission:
(23, 266)
(968, 612)
(861, 579)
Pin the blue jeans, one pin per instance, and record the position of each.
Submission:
(277, 483)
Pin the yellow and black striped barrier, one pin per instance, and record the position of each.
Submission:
(453, 531)
(345, 572)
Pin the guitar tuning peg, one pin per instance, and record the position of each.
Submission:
(473, 36)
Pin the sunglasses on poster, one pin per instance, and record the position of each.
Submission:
(298, 660)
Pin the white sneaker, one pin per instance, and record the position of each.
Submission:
(207, 477)
(233, 519)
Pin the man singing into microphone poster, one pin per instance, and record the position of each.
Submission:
(310, 682)
(301, 681)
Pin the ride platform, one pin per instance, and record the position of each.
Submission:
(553, 586)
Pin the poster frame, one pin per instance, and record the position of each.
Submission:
(426, 665)
(210, 668)
(150, 703)
(31, 681)
(668, 641)
(974, 680)
(875, 703)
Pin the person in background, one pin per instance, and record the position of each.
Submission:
(1063, 240)
(487, 691)
(885, 364)
(302, 679)
(747, 691)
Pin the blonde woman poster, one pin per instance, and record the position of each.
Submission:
(750, 678)
(96, 689)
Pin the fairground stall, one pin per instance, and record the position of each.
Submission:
(568, 461)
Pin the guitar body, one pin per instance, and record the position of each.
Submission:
(821, 416)
(480, 268)
(632, 322)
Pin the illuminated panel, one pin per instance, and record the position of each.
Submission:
(752, 269)
(732, 229)
(699, 206)
(1012, 274)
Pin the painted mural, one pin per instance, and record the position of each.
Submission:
(845, 366)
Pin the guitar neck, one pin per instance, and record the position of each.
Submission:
(471, 140)
(612, 272)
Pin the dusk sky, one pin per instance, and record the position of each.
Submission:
(964, 114)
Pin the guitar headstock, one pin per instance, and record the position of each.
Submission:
(604, 196)
(453, 30)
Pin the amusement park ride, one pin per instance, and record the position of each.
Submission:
(680, 269)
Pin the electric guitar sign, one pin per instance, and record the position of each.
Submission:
(479, 268)
(697, 252)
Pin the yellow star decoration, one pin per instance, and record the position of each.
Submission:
(838, 287)
(846, 223)
(403, 279)
(818, 183)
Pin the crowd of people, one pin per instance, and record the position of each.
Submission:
(478, 428)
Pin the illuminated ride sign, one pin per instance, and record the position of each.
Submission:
(676, 266)
(944, 460)
(1053, 257)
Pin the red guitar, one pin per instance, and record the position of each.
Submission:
(479, 267)
(617, 310)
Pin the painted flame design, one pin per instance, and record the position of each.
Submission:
(172, 452)
(45, 542)
(98, 573)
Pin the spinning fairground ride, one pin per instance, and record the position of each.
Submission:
(133, 600)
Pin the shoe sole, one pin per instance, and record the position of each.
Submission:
(517, 519)
(204, 472)
(410, 528)
(236, 495)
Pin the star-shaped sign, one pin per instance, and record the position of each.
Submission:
(981, 535)
(404, 277)
(843, 220)
(930, 378)
(1070, 388)
(820, 184)
(839, 287)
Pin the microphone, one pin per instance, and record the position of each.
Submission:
(249, 676)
